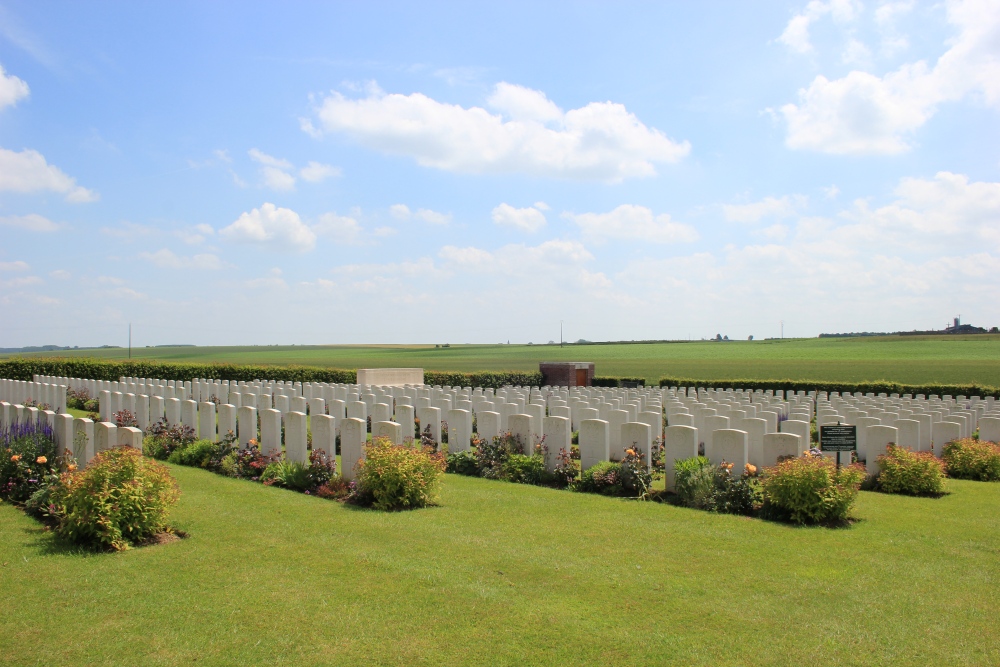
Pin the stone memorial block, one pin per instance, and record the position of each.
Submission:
(105, 436)
(247, 425)
(104, 404)
(558, 436)
(713, 423)
(679, 442)
(324, 434)
(130, 436)
(877, 440)
(270, 432)
(353, 436)
(944, 432)
(756, 429)
(595, 442)
(282, 403)
(296, 437)
(926, 428)
(381, 412)
(587, 413)
(429, 416)
(681, 419)
(778, 445)
(638, 434)
(770, 417)
(83, 441)
(459, 431)
(560, 411)
(520, 426)
(864, 423)
(655, 420)
(337, 408)
(730, 446)
(488, 425)
(317, 406)
(989, 428)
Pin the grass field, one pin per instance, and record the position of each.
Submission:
(906, 359)
(504, 574)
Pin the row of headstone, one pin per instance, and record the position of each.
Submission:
(39, 392)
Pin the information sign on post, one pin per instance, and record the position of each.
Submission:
(838, 438)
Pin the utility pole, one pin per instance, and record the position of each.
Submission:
(560, 334)
(129, 340)
(782, 329)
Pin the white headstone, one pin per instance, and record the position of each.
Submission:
(679, 442)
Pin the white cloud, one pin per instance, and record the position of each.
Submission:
(768, 207)
(60, 274)
(31, 222)
(14, 266)
(529, 134)
(165, 259)
(273, 171)
(273, 227)
(629, 222)
(830, 192)
(27, 171)
(541, 206)
(402, 212)
(796, 33)
(528, 219)
(12, 89)
(315, 172)
(861, 113)
(340, 228)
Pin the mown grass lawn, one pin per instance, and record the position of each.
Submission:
(504, 574)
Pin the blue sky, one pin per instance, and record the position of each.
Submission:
(238, 173)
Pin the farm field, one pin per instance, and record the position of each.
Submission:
(505, 574)
(906, 359)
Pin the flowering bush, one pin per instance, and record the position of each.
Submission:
(27, 457)
(162, 439)
(810, 489)
(636, 478)
(604, 478)
(77, 398)
(246, 463)
(701, 485)
(125, 418)
(393, 477)
(910, 473)
(972, 459)
(120, 500)
(694, 482)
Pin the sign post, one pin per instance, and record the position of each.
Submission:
(838, 438)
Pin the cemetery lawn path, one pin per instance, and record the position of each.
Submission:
(905, 359)
(504, 574)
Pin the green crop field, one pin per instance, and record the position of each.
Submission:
(505, 574)
(905, 359)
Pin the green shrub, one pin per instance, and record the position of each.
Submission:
(810, 489)
(604, 478)
(525, 469)
(198, 454)
(694, 482)
(736, 494)
(910, 473)
(27, 456)
(162, 439)
(463, 463)
(119, 500)
(972, 459)
(491, 455)
(393, 477)
(288, 474)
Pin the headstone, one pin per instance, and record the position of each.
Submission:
(429, 416)
(105, 436)
(877, 440)
(353, 435)
(944, 432)
(679, 442)
(296, 437)
(557, 433)
(488, 425)
(638, 435)
(129, 436)
(83, 441)
(989, 429)
(270, 432)
(778, 445)
(459, 430)
(730, 446)
(595, 442)
(324, 434)
(206, 421)
(390, 430)
(520, 427)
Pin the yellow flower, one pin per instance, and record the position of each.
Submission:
(750, 469)
(41, 459)
(16, 457)
(630, 452)
(71, 467)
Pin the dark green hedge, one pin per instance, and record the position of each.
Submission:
(609, 381)
(18, 368)
(878, 387)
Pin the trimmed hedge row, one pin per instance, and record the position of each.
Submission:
(883, 386)
(609, 381)
(96, 369)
